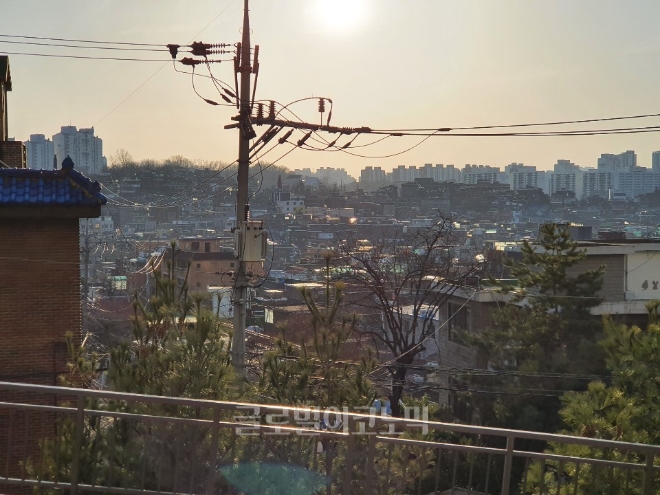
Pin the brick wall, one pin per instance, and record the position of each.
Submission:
(39, 303)
(13, 154)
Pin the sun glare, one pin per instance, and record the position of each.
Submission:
(340, 15)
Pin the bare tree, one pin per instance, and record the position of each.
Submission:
(121, 158)
(406, 279)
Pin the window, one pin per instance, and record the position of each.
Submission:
(199, 265)
(231, 265)
(194, 246)
(207, 247)
(458, 322)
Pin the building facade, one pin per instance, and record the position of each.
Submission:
(85, 149)
(40, 152)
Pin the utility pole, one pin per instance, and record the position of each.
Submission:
(245, 134)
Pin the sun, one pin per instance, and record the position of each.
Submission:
(340, 15)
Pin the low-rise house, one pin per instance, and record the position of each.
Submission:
(40, 288)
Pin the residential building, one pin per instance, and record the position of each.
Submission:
(40, 152)
(371, 178)
(613, 163)
(566, 176)
(287, 202)
(635, 181)
(481, 173)
(630, 281)
(655, 161)
(40, 293)
(596, 182)
(521, 176)
(85, 149)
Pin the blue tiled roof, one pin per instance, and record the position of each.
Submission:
(24, 187)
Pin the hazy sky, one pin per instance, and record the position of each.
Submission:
(385, 64)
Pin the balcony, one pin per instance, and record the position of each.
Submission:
(134, 444)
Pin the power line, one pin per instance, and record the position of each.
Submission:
(52, 55)
(82, 41)
(161, 67)
(61, 45)
(551, 123)
(580, 132)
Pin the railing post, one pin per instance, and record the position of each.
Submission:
(508, 465)
(213, 453)
(371, 453)
(80, 426)
(648, 475)
(350, 445)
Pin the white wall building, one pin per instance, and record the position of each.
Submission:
(655, 161)
(621, 162)
(85, 149)
(566, 176)
(40, 152)
(287, 202)
(521, 176)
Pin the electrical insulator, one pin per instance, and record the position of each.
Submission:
(270, 134)
(321, 105)
(200, 49)
(260, 111)
(271, 109)
(189, 61)
(229, 92)
(227, 99)
(174, 49)
(284, 138)
(304, 138)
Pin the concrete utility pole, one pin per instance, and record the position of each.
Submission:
(245, 134)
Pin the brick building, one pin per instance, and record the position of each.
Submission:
(40, 290)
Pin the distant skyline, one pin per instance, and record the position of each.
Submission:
(385, 64)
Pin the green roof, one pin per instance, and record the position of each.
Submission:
(5, 74)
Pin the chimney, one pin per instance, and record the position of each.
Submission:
(5, 86)
(12, 153)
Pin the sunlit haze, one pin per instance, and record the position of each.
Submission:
(386, 64)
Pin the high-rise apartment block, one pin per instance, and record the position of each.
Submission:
(85, 149)
(655, 161)
(472, 174)
(612, 163)
(566, 176)
(40, 152)
(521, 176)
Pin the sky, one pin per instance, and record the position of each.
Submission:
(387, 64)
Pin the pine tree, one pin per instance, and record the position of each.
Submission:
(179, 349)
(626, 409)
(544, 335)
(313, 373)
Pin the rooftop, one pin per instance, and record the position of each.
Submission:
(65, 187)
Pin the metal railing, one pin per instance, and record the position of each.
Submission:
(57, 439)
